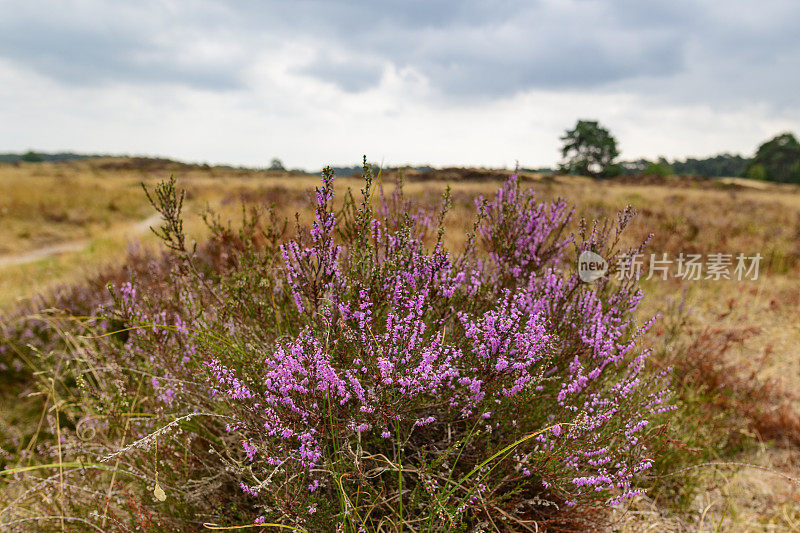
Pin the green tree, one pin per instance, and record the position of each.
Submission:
(276, 164)
(757, 172)
(658, 168)
(589, 149)
(32, 157)
(780, 159)
(718, 165)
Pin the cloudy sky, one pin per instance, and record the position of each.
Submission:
(430, 81)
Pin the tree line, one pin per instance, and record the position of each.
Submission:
(590, 149)
(39, 157)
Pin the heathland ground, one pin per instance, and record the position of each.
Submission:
(735, 344)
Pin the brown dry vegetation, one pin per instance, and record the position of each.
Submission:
(735, 345)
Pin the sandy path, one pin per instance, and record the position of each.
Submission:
(54, 250)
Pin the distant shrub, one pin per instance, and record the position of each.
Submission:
(660, 168)
(31, 157)
(757, 172)
(360, 376)
(612, 171)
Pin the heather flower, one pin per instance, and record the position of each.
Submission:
(364, 343)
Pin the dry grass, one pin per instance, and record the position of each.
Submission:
(98, 209)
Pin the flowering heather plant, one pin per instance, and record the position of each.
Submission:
(360, 376)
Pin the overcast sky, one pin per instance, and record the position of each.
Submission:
(441, 82)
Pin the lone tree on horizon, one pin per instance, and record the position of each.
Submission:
(589, 149)
(276, 164)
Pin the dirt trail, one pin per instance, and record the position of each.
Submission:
(143, 226)
(45, 252)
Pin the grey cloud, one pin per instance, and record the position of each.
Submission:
(352, 75)
(739, 54)
(494, 49)
(84, 46)
(85, 59)
(466, 49)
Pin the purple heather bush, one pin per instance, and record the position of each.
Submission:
(360, 376)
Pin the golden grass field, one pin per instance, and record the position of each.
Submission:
(61, 222)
